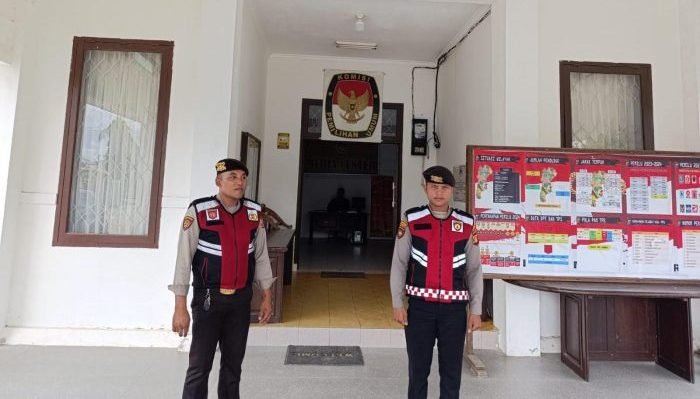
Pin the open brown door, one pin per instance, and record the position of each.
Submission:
(382, 223)
(675, 337)
(574, 333)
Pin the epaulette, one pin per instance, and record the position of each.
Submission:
(201, 204)
(251, 204)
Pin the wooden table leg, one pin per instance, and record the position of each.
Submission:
(476, 366)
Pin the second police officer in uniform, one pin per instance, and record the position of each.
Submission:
(436, 264)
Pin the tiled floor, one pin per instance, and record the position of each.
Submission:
(312, 301)
(328, 254)
(315, 302)
(343, 311)
(110, 373)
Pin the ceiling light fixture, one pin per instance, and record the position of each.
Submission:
(360, 22)
(356, 45)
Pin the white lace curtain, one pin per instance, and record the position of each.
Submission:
(113, 165)
(606, 111)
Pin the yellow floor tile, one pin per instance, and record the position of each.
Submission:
(311, 301)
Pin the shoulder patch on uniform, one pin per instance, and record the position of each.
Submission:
(187, 222)
(402, 229)
(457, 226)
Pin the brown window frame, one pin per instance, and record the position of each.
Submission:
(81, 45)
(645, 92)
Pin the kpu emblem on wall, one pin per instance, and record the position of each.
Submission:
(352, 106)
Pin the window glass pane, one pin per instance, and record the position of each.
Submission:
(389, 122)
(113, 165)
(252, 159)
(315, 115)
(606, 111)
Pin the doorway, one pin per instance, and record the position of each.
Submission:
(359, 237)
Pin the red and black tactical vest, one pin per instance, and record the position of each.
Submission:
(225, 256)
(437, 268)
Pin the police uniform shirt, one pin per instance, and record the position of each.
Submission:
(402, 254)
(187, 245)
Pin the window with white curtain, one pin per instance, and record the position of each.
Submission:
(111, 178)
(606, 106)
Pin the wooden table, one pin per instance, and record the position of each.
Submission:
(635, 321)
(341, 222)
(279, 247)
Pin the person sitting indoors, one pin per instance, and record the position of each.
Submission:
(339, 203)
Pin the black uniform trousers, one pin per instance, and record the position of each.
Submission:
(226, 322)
(428, 321)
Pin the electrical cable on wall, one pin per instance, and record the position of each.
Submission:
(441, 60)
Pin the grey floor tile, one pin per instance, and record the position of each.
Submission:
(77, 373)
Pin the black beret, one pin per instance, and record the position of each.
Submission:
(229, 164)
(440, 175)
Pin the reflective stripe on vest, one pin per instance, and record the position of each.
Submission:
(437, 294)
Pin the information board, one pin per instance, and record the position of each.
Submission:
(585, 214)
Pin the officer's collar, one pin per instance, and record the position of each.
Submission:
(438, 214)
(230, 209)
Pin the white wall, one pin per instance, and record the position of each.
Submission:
(98, 287)
(291, 78)
(633, 31)
(630, 31)
(11, 14)
(249, 78)
(464, 98)
(215, 26)
(528, 39)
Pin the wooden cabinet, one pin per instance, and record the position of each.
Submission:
(624, 321)
(279, 247)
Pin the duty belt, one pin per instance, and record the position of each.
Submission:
(435, 293)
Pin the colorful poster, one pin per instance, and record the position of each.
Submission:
(496, 179)
(651, 246)
(548, 241)
(687, 188)
(547, 184)
(599, 244)
(598, 185)
(648, 186)
(689, 246)
(499, 240)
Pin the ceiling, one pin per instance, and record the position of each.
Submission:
(416, 30)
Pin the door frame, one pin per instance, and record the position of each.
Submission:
(306, 103)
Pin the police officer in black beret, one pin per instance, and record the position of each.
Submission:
(223, 243)
(436, 265)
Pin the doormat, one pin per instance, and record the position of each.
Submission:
(324, 355)
(343, 275)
